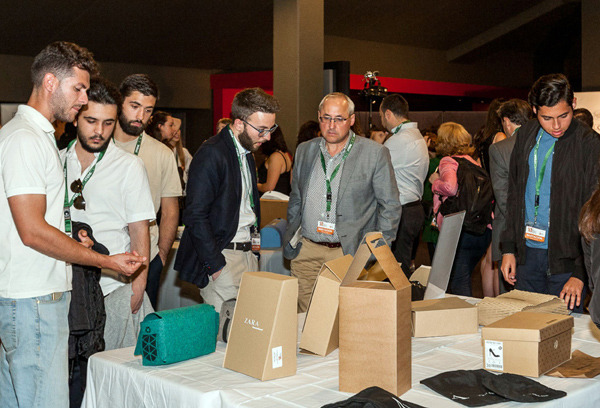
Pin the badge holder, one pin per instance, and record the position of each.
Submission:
(255, 239)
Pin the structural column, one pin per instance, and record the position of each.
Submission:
(298, 40)
(590, 45)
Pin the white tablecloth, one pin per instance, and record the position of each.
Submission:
(118, 379)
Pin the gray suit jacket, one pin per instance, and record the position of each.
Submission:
(499, 165)
(368, 198)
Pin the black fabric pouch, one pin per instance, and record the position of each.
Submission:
(520, 389)
(464, 387)
(373, 397)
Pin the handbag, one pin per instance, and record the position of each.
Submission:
(176, 335)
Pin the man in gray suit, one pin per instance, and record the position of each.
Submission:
(343, 186)
(513, 114)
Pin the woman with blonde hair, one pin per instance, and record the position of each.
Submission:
(454, 142)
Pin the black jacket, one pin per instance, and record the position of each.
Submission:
(574, 178)
(214, 193)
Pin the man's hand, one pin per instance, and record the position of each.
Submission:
(571, 292)
(509, 268)
(137, 298)
(434, 177)
(216, 274)
(84, 239)
(125, 264)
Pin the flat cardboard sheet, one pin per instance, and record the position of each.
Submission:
(494, 309)
(581, 365)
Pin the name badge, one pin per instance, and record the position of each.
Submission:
(255, 242)
(535, 234)
(325, 227)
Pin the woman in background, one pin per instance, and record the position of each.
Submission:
(161, 126)
(275, 174)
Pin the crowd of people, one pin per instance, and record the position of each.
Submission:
(87, 228)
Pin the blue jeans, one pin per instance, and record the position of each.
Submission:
(471, 248)
(34, 353)
(534, 276)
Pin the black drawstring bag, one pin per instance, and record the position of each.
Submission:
(465, 387)
(521, 389)
(373, 397)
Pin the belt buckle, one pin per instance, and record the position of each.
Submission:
(57, 295)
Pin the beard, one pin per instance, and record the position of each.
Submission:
(60, 108)
(246, 142)
(89, 148)
(128, 128)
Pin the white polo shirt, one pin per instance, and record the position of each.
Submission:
(30, 164)
(116, 194)
(162, 175)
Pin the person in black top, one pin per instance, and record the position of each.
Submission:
(275, 173)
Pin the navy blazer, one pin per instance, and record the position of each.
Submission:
(214, 193)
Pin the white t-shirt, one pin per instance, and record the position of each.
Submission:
(29, 164)
(162, 175)
(116, 195)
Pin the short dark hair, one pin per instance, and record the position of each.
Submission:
(158, 118)
(140, 83)
(276, 143)
(104, 92)
(549, 90)
(516, 110)
(309, 130)
(584, 116)
(251, 100)
(396, 104)
(59, 59)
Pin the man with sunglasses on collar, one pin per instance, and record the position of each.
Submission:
(222, 212)
(343, 186)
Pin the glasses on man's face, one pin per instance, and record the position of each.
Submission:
(77, 188)
(338, 120)
(262, 132)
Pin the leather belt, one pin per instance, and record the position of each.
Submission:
(327, 244)
(240, 246)
(413, 204)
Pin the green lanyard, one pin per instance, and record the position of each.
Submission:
(238, 155)
(335, 172)
(89, 175)
(137, 145)
(399, 127)
(540, 177)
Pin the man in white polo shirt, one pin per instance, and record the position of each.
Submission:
(34, 280)
(139, 95)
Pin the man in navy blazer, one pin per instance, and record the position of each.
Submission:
(343, 186)
(223, 207)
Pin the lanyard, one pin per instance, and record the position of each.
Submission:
(89, 175)
(399, 127)
(334, 173)
(137, 144)
(238, 155)
(540, 177)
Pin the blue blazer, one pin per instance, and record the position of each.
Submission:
(214, 193)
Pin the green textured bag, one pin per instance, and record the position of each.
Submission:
(176, 335)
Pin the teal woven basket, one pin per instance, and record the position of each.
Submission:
(176, 335)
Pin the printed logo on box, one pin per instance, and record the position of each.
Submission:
(253, 323)
(277, 354)
(494, 355)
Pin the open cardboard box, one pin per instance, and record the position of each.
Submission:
(320, 334)
(527, 343)
(443, 317)
(435, 278)
(272, 209)
(375, 332)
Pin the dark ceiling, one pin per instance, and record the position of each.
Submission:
(237, 35)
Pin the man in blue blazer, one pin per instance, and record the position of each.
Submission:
(343, 186)
(223, 207)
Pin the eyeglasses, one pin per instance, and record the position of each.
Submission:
(262, 132)
(328, 119)
(77, 188)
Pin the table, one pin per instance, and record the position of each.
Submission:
(174, 293)
(118, 379)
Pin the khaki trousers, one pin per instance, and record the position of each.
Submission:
(306, 267)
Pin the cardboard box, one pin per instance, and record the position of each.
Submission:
(271, 209)
(375, 328)
(527, 343)
(320, 334)
(264, 329)
(443, 317)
